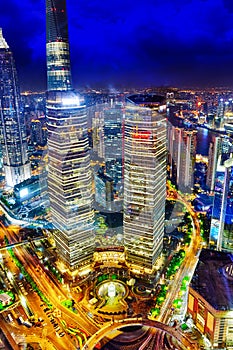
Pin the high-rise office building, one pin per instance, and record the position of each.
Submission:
(103, 189)
(221, 237)
(98, 133)
(214, 152)
(38, 132)
(182, 155)
(69, 172)
(144, 180)
(113, 117)
(13, 137)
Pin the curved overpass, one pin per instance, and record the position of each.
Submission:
(96, 338)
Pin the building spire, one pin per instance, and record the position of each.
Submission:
(57, 47)
(3, 43)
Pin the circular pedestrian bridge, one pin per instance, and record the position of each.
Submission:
(184, 342)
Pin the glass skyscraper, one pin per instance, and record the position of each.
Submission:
(221, 236)
(12, 131)
(69, 172)
(57, 46)
(182, 155)
(144, 180)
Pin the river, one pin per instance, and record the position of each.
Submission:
(204, 137)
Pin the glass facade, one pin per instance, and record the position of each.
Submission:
(144, 184)
(69, 177)
(57, 47)
(182, 155)
(69, 172)
(222, 213)
(12, 134)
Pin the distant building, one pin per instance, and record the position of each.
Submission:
(38, 132)
(144, 179)
(98, 133)
(104, 190)
(214, 152)
(221, 229)
(219, 150)
(210, 298)
(182, 156)
(113, 131)
(12, 127)
(221, 109)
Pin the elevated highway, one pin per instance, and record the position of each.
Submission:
(181, 338)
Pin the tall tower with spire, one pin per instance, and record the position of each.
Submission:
(69, 172)
(57, 47)
(12, 127)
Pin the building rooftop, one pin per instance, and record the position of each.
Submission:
(213, 279)
(147, 99)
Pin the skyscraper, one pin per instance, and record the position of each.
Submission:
(182, 153)
(57, 46)
(113, 117)
(221, 236)
(213, 154)
(144, 180)
(69, 172)
(13, 137)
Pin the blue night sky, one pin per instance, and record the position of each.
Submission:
(128, 43)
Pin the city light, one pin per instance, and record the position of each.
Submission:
(71, 101)
(121, 196)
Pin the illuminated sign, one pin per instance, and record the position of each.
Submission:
(142, 135)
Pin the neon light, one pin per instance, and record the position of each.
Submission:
(142, 135)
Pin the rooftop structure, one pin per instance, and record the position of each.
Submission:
(213, 279)
(210, 299)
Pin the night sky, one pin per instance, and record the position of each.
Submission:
(128, 43)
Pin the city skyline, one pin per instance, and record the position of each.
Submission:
(121, 234)
(124, 44)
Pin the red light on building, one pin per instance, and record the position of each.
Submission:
(142, 135)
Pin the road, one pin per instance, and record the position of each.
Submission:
(96, 338)
(188, 266)
(55, 293)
